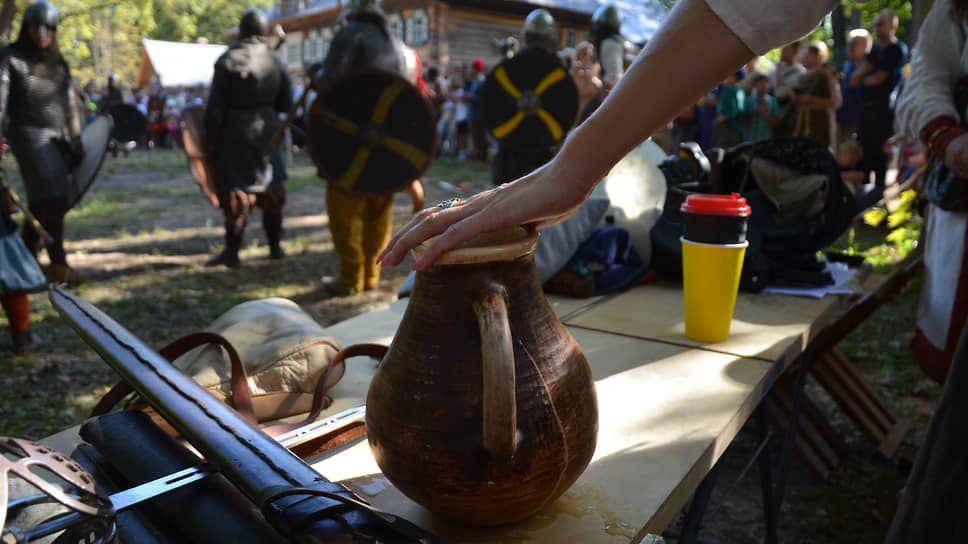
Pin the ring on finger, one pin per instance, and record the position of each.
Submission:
(447, 203)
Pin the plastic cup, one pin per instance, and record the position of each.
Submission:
(713, 247)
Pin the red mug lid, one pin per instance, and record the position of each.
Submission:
(732, 205)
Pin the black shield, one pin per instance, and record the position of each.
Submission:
(94, 138)
(529, 101)
(371, 132)
(129, 123)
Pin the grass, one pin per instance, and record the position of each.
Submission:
(143, 211)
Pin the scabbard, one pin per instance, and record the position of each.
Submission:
(296, 500)
(139, 451)
(139, 524)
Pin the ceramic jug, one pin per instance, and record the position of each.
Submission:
(484, 409)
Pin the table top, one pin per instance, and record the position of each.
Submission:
(668, 408)
(667, 411)
(765, 326)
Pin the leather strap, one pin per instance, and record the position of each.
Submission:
(241, 396)
(334, 372)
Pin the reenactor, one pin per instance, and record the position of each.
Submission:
(529, 102)
(250, 87)
(38, 104)
(371, 133)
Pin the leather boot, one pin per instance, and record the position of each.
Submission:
(272, 223)
(230, 255)
(25, 342)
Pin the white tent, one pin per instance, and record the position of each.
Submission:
(177, 64)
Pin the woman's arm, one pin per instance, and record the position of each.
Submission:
(641, 103)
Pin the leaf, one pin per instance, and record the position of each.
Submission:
(875, 216)
(897, 219)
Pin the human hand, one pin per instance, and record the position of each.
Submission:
(956, 156)
(545, 197)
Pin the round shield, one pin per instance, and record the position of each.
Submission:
(371, 132)
(196, 150)
(94, 138)
(636, 190)
(529, 101)
(129, 122)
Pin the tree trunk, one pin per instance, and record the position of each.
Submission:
(838, 24)
(7, 13)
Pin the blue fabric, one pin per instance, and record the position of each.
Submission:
(707, 115)
(18, 268)
(892, 60)
(474, 106)
(759, 129)
(611, 249)
(732, 101)
(849, 112)
(558, 243)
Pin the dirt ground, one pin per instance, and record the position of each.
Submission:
(144, 232)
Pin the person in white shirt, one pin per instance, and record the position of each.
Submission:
(933, 505)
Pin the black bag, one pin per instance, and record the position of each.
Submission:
(780, 252)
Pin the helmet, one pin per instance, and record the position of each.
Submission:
(539, 29)
(114, 79)
(607, 19)
(253, 23)
(356, 8)
(41, 13)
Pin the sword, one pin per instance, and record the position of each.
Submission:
(149, 490)
(34, 223)
(264, 177)
(297, 501)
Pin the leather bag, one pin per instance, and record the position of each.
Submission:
(280, 364)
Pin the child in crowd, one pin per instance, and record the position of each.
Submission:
(762, 111)
(728, 129)
(849, 155)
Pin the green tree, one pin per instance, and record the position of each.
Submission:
(189, 20)
(101, 37)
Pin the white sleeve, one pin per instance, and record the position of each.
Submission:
(940, 59)
(765, 24)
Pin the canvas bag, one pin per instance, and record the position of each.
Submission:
(267, 358)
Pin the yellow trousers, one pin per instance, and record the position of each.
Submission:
(361, 228)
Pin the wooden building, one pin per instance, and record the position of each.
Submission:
(452, 32)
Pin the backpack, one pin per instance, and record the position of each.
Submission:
(800, 206)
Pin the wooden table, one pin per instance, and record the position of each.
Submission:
(668, 407)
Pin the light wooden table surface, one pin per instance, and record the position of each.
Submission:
(668, 408)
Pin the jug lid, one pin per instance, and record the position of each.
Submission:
(500, 245)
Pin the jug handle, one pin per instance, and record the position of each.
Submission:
(497, 351)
